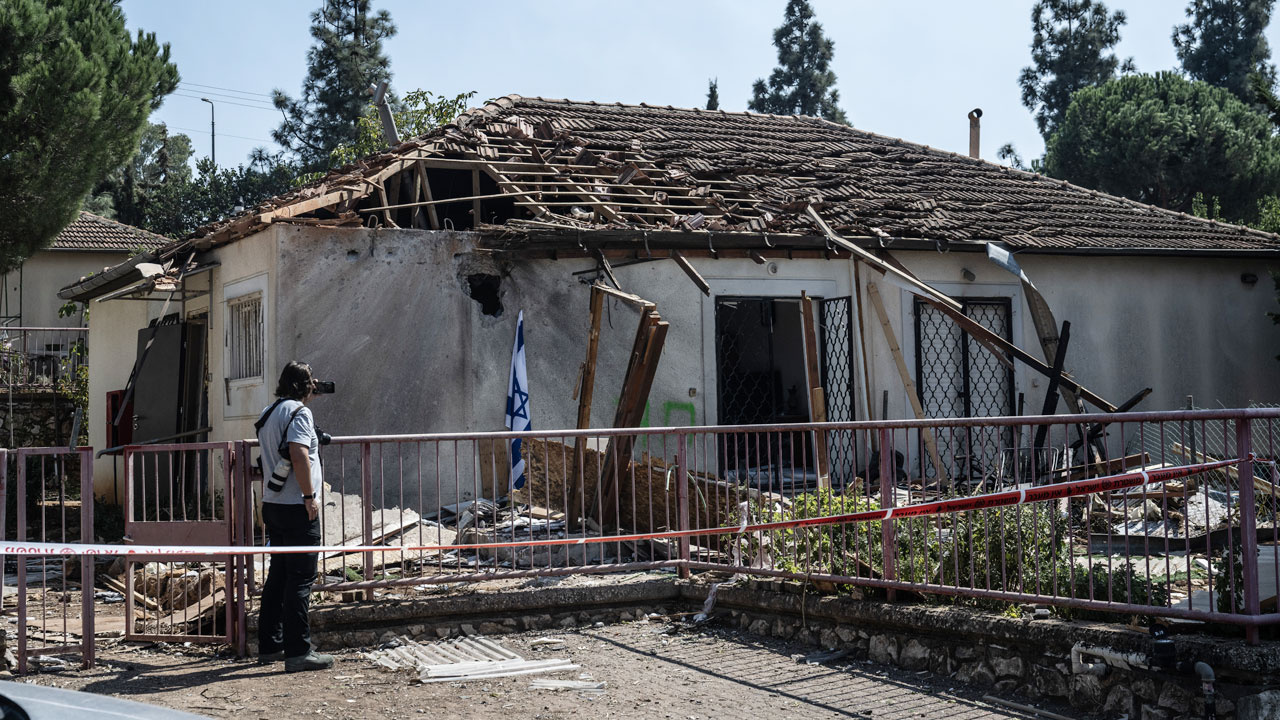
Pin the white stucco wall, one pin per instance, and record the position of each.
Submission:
(386, 314)
(44, 274)
(113, 342)
(1179, 325)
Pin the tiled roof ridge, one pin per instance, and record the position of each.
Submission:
(132, 229)
(90, 231)
(512, 101)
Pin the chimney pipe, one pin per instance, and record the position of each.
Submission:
(974, 132)
(389, 133)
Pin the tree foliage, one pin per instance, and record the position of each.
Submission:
(713, 94)
(420, 112)
(1161, 139)
(803, 82)
(175, 209)
(1223, 44)
(75, 93)
(344, 61)
(1070, 49)
(125, 195)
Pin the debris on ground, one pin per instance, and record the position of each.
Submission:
(460, 660)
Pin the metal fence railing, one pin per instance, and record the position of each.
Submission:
(34, 359)
(1203, 546)
(46, 495)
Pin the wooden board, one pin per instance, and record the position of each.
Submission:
(930, 442)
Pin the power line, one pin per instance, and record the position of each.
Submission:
(224, 95)
(206, 132)
(215, 87)
(227, 102)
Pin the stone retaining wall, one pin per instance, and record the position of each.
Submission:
(1012, 657)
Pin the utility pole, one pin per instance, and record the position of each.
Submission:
(213, 135)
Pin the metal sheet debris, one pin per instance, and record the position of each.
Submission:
(468, 658)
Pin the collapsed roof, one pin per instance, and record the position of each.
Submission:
(557, 164)
(557, 177)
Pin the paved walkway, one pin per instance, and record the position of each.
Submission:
(651, 670)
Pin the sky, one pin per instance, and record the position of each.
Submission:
(910, 69)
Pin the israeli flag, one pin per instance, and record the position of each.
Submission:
(518, 403)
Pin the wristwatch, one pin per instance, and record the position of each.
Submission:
(312, 496)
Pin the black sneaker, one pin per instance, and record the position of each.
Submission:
(310, 661)
(267, 658)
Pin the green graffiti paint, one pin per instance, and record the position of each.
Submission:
(674, 406)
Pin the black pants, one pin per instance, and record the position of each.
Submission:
(286, 597)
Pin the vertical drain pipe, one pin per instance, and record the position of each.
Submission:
(975, 131)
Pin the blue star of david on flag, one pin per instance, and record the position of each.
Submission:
(518, 417)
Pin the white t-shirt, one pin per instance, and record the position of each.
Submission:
(302, 431)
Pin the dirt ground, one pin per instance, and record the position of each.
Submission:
(651, 670)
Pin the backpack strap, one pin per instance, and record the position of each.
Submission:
(262, 420)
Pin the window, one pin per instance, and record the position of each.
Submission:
(244, 337)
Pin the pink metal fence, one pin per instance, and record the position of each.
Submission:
(1182, 550)
(52, 494)
(181, 494)
(1205, 548)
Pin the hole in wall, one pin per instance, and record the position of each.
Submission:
(483, 288)
(352, 256)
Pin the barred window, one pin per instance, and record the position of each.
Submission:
(244, 337)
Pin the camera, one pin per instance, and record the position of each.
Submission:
(323, 387)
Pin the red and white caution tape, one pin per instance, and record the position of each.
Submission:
(937, 507)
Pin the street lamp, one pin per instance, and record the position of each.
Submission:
(213, 136)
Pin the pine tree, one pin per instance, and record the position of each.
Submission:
(127, 192)
(75, 93)
(1224, 43)
(1070, 49)
(344, 61)
(802, 83)
(1164, 139)
(713, 95)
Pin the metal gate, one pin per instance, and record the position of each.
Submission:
(958, 377)
(180, 495)
(53, 486)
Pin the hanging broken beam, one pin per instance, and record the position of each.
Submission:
(693, 274)
(952, 309)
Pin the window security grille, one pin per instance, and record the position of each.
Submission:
(245, 337)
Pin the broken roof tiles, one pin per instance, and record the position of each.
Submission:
(585, 165)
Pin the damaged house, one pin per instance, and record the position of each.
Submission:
(930, 284)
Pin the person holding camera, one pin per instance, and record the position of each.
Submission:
(290, 452)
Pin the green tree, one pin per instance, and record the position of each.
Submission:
(419, 113)
(213, 193)
(1070, 49)
(803, 82)
(1265, 96)
(75, 93)
(713, 95)
(1163, 139)
(1223, 44)
(125, 194)
(344, 61)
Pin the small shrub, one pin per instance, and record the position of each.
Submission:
(853, 549)
(1015, 549)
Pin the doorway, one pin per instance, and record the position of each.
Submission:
(956, 376)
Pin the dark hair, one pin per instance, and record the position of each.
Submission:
(295, 381)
